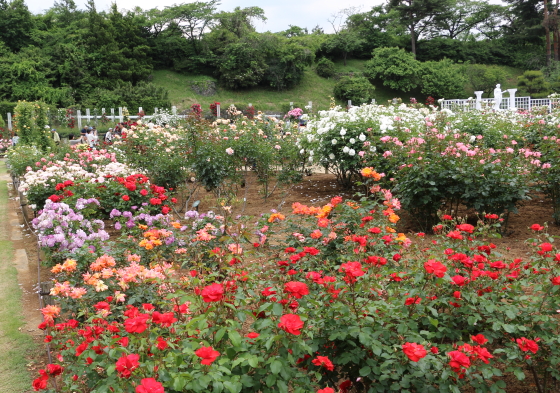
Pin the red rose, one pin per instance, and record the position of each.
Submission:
(40, 383)
(434, 267)
(155, 201)
(465, 228)
(527, 345)
(479, 339)
(555, 280)
(143, 192)
(537, 227)
(414, 351)
(54, 369)
(161, 343)
(213, 293)
(127, 364)
(459, 280)
(323, 361)
(149, 385)
(136, 324)
(291, 323)
(458, 360)
(296, 289)
(252, 335)
(326, 390)
(434, 350)
(207, 354)
(165, 209)
(412, 300)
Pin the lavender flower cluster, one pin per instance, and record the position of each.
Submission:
(62, 228)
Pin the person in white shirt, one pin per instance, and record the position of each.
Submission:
(90, 137)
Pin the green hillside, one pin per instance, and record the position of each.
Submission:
(312, 88)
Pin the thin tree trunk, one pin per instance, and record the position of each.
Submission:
(556, 32)
(547, 33)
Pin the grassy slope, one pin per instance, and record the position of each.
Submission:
(312, 88)
(14, 345)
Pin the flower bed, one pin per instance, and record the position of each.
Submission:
(344, 301)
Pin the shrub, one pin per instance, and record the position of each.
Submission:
(443, 79)
(533, 84)
(325, 68)
(359, 90)
(394, 68)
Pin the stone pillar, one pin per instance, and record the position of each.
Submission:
(478, 104)
(9, 121)
(511, 103)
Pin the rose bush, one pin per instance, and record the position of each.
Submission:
(343, 300)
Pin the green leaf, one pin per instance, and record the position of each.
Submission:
(179, 383)
(276, 366)
(235, 338)
(253, 361)
(270, 380)
(282, 387)
(247, 381)
(365, 371)
(519, 374)
(219, 335)
(277, 309)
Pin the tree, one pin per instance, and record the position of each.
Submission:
(343, 43)
(534, 84)
(484, 78)
(377, 28)
(240, 21)
(394, 68)
(417, 15)
(243, 63)
(16, 24)
(194, 20)
(464, 18)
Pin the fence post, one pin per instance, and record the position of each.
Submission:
(218, 111)
(9, 121)
(349, 103)
(291, 105)
(174, 110)
(121, 118)
(88, 117)
(310, 106)
(113, 114)
(79, 117)
(373, 102)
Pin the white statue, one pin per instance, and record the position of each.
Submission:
(498, 97)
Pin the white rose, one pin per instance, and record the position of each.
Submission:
(352, 140)
(352, 152)
(331, 156)
(334, 141)
(346, 149)
(362, 137)
(342, 131)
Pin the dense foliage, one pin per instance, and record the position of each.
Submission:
(91, 58)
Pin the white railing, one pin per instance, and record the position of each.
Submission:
(509, 103)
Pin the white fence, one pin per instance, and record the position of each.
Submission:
(509, 103)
